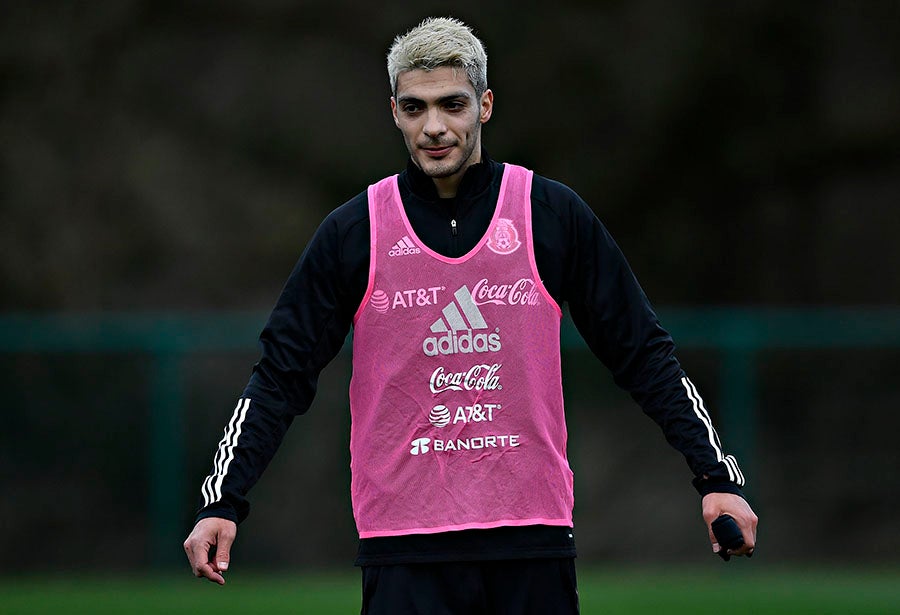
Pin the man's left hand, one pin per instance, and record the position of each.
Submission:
(717, 504)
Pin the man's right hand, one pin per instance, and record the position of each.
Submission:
(208, 548)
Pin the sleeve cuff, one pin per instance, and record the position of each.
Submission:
(219, 510)
(706, 486)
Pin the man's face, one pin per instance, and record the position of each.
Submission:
(440, 118)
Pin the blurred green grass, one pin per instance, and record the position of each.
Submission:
(731, 590)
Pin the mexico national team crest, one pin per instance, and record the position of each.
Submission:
(505, 238)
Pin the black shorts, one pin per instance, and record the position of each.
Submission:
(501, 587)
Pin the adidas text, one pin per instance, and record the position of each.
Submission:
(461, 342)
(404, 247)
(403, 251)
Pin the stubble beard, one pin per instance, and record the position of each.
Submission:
(438, 169)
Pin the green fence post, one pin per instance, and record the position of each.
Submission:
(739, 405)
(166, 471)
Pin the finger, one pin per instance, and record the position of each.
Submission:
(198, 552)
(746, 549)
(198, 556)
(206, 571)
(222, 557)
(749, 535)
(194, 555)
(748, 530)
(713, 540)
(219, 562)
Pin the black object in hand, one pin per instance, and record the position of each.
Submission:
(728, 534)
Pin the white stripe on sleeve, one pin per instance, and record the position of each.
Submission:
(704, 418)
(731, 464)
(737, 469)
(212, 486)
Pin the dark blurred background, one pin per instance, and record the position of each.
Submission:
(163, 164)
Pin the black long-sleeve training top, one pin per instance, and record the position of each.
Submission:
(579, 263)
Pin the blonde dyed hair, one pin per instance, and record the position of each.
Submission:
(437, 42)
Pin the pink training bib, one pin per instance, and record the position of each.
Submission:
(456, 396)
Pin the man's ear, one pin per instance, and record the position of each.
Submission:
(394, 111)
(487, 106)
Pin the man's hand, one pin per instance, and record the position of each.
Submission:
(208, 548)
(715, 504)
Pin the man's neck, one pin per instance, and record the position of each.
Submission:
(447, 186)
(475, 179)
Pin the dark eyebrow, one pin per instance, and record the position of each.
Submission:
(409, 99)
(454, 96)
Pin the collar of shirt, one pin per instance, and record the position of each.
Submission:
(475, 181)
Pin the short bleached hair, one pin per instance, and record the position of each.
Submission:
(437, 42)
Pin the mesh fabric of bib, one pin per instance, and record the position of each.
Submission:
(456, 395)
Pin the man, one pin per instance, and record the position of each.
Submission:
(452, 275)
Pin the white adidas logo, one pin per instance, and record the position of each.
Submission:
(460, 337)
(404, 247)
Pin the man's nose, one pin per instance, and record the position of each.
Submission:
(434, 124)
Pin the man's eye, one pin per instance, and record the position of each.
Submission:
(454, 106)
(410, 108)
